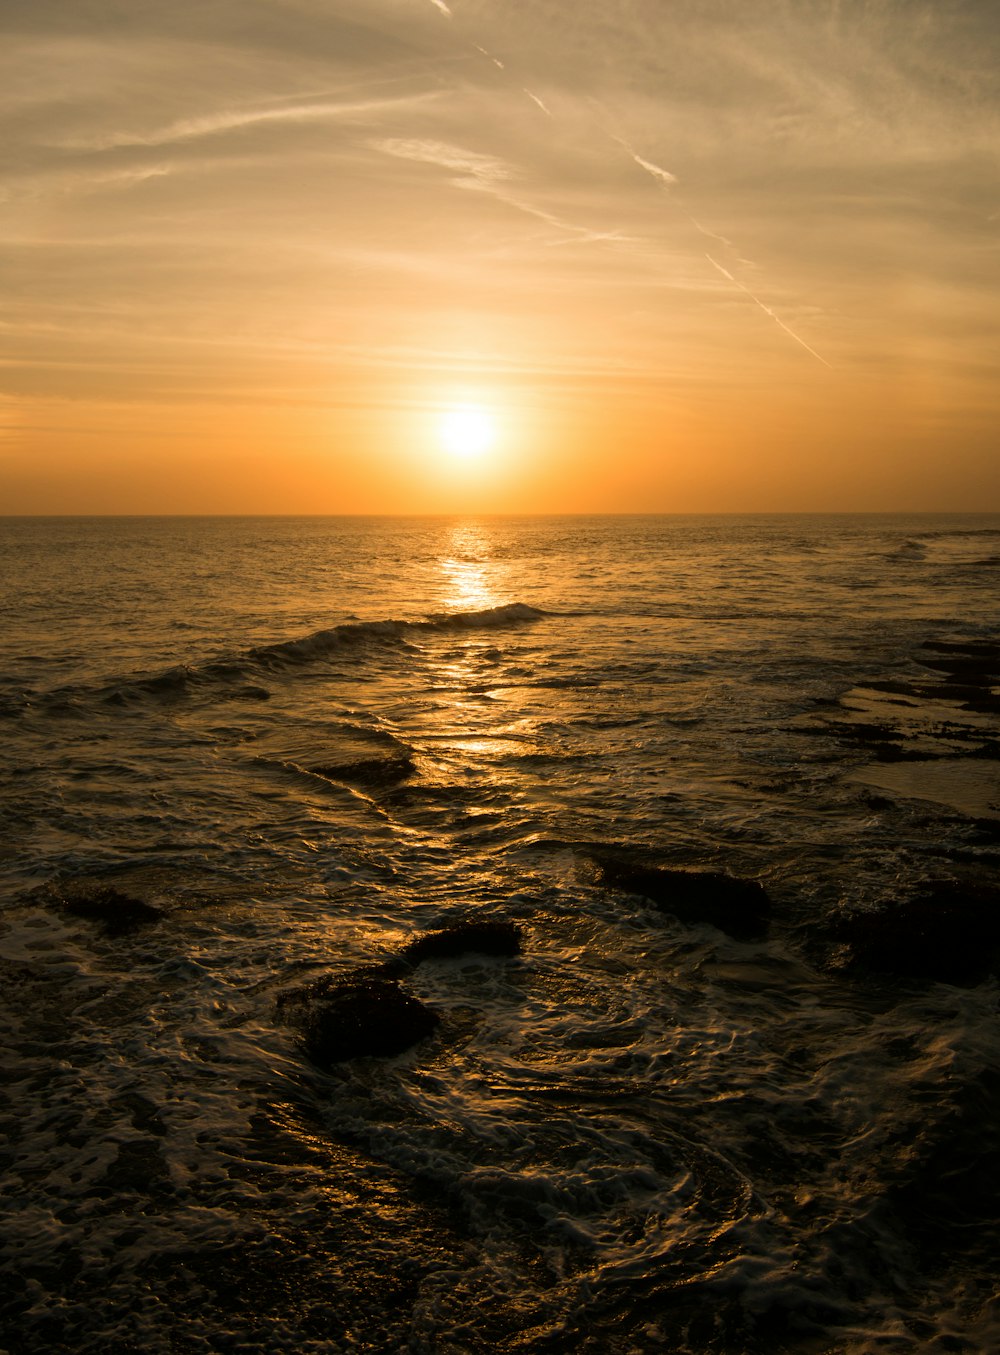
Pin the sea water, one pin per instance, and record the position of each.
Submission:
(305, 742)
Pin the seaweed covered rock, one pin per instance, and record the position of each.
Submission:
(948, 932)
(118, 913)
(485, 938)
(365, 1014)
(741, 908)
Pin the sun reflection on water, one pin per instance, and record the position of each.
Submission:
(466, 574)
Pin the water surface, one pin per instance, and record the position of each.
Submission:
(307, 741)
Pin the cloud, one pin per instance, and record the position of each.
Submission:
(290, 171)
(475, 170)
(489, 56)
(235, 119)
(536, 100)
(488, 174)
(766, 309)
(663, 175)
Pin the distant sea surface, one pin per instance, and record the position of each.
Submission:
(286, 748)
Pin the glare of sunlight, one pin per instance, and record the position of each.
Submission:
(465, 570)
(467, 432)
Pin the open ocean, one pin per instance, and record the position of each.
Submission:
(241, 754)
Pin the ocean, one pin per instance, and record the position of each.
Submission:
(733, 783)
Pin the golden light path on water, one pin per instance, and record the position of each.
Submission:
(467, 585)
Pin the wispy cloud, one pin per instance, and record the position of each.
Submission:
(488, 174)
(536, 100)
(68, 183)
(663, 175)
(711, 235)
(475, 170)
(235, 119)
(434, 178)
(490, 57)
(657, 172)
(766, 309)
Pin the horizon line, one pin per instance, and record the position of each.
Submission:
(624, 513)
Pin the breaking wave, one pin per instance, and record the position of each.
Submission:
(234, 675)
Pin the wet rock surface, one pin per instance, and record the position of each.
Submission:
(949, 932)
(368, 772)
(366, 1013)
(363, 1015)
(484, 938)
(118, 913)
(741, 908)
(961, 676)
(927, 734)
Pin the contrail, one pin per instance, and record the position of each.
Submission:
(665, 177)
(489, 56)
(712, 235)
(766, 309)
(535, 99)
(657, 172)
(662, 175)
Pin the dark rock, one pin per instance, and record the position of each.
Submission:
(892, 752)
(738, 907)
(139, 1168)
(894, 687)
(973, 669)
(249, 693)
(363, 1015)
(944, 1190)
(118, 913)
(990, 750)
(982, 649)
(877, 802)
(369, 772)
(986, 831)
(987, 704)
(949, 932)
(868, 735)
(957, 691)
(487, 938)
(145, 1115)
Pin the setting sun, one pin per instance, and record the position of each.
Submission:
(467, 432)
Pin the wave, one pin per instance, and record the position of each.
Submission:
(510, 614)
(234, 677)
(323, 642)
(908, 550)
(964, 531)
(967, 548)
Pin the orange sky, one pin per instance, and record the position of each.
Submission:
(696, 256)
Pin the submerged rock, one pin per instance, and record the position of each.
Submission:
(976, 663)
(369, 772)
(741, 908)
(118, 913)
(364, 1015)
(948, 932)
(486, 938)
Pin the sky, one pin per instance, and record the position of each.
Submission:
(274, 256)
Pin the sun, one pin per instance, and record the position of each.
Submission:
(467, 432)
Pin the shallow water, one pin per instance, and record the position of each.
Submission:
(307, 741)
